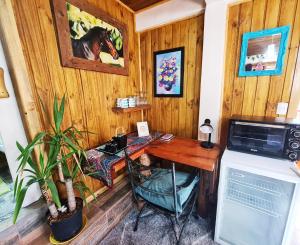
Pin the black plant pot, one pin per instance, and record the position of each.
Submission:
(68, 227)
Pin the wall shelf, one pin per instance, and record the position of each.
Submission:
(131, 109)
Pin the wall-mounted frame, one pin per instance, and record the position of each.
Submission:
(89, 38)
(262, 52)
(169, 72)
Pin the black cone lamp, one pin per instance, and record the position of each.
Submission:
(206, 128)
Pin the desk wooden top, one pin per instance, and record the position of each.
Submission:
(185, 151)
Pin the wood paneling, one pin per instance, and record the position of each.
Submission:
(137, 5)
(258, 96)
(90, 95)
(175, 115)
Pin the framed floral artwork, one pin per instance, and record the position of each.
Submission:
(169, 72)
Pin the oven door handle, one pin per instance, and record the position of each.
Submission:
(261, 125)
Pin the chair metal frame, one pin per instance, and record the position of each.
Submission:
(136, 180)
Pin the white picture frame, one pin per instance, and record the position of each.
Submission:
(143, 129)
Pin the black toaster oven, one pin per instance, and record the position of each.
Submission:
(272, 137)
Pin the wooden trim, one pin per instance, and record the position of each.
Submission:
(151, 6)
(105, 188)
(295, 98)
(131, 109)
(140, 66)
(120, 165)
(141, 10)
(17, 66)
(173, 21)
(140, 63)
(125, 6)
(3, 90)
(237, 2)
(63, 32)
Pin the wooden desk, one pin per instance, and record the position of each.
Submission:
(189, 152)
(185, 151)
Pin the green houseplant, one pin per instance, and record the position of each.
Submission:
(58, 150)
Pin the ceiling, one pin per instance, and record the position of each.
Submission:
(137, 5)
(180, 9)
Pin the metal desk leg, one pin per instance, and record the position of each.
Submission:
(174, 190)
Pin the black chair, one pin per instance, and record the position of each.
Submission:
(169, 192)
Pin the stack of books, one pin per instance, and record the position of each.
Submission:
(167, 137)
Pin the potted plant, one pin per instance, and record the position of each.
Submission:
(56, 150)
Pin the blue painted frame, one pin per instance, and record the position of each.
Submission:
(284, 30)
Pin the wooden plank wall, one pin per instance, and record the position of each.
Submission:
(90, 95)
(259, 96)
(175, 115)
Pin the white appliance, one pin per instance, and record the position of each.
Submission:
(256, 200)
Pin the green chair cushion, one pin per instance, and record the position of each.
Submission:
(159, 189)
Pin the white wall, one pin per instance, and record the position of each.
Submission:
(214, 38)
(168, 12)
(11, 130)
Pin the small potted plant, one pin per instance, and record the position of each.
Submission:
(56, 150)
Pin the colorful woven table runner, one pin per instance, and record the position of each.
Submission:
(100, 166)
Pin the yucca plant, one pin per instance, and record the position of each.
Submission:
(58, 150)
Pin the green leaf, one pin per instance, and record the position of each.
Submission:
(65, 170)
(26, 152)
(70, 143)
(20, 195)
(75, 171)
(72, 128)
(30, 171)
(54, 150)
(55, 113)
(81, 192)
(54, 192)
(91, 192)
(62, 106)
(42, 162)
(19, 187)
(31, 145)
(19, 201)
(48, 169)
(30, 162)
(16, 185)
(58, 113)
(82, 188)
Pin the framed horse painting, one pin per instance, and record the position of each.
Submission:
(89, 38)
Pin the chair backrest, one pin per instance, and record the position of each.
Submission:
(134, 172)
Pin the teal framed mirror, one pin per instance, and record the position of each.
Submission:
(262, 52)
